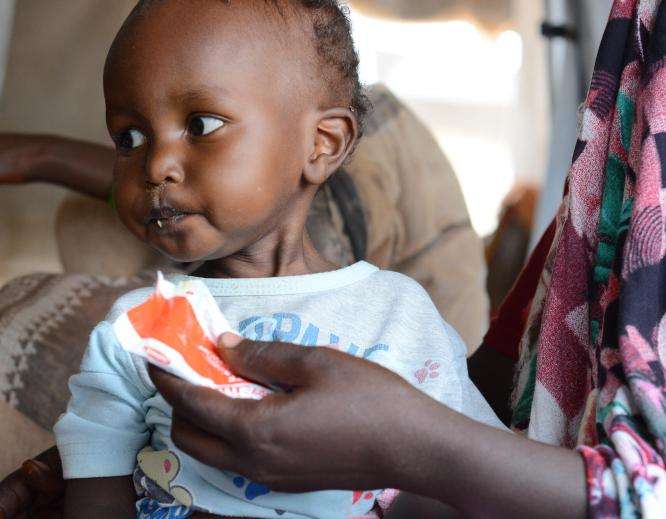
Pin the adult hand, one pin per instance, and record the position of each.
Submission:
(346, 423)
(36, 490)
(335, 427)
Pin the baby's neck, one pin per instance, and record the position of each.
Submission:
(266, 260)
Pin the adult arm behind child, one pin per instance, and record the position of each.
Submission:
(82, 166)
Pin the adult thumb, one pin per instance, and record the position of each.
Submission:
(272, 364)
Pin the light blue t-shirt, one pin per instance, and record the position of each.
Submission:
(115, 416)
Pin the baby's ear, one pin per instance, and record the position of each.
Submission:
(336, 133)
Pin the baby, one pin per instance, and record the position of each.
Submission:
(228, 116)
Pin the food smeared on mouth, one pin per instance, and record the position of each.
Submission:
(165, 217)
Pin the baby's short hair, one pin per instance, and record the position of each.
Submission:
(332, 37)
(335, 46)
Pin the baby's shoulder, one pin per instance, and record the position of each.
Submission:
(104, 352)
(398, 285)
(415, 328)
(127, 301)
(409, 302)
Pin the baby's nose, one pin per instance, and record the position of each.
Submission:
(164, 164)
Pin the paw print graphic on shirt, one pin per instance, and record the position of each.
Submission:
(429, 370)
(359, 494)
(252, 490)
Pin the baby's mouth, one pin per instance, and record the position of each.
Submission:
(165, 218)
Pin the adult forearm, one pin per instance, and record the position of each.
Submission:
(485, 472)
(379, 432)
(82, 166)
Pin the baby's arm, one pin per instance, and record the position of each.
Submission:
(100, 498)
(103, 429)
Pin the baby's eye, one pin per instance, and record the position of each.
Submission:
(203, 125)
(130, 139)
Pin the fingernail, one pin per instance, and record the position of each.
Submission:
(33, 469)
(36, 474)
(42, 477)
(230, 340)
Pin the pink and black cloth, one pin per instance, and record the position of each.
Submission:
(587, 319)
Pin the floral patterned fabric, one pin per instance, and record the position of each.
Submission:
(592, 353)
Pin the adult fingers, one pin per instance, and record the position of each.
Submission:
(15, 496)
(202, 445)
(273, 364)
(51, 458)
(210, 410)
(43, 478)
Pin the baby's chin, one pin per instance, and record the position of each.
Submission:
(187, 242)
(188, 250)
(181, 254)
(179, 249)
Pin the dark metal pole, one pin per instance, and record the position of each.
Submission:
(566, 93)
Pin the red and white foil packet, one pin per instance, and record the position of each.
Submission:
(177, 329)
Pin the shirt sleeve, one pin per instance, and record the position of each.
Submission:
(104, 426)
(472, 405)
(430, 354)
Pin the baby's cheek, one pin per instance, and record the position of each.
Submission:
(130, 211)
(244, 183)
(236, 210)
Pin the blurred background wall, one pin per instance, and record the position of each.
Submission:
(53, 85)
(500, 99)
(481, 89)
(6, 20)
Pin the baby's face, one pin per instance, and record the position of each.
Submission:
(211, 127)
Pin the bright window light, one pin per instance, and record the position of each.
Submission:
(486, 173)
(449, 65)
(452, 61)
